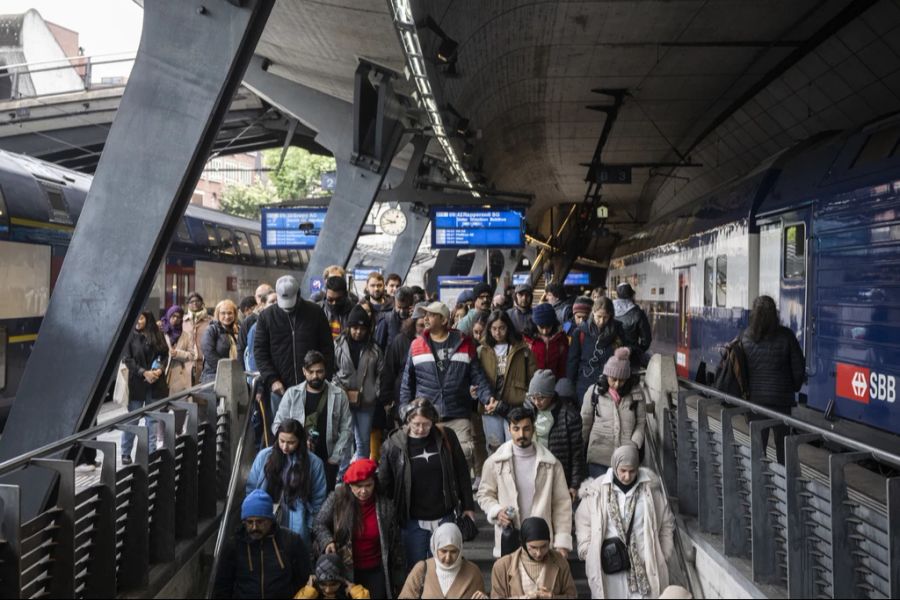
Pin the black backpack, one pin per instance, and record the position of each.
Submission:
(731, 377)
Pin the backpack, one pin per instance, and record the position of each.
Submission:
(731, 377)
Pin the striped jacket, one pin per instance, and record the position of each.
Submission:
(449, 392)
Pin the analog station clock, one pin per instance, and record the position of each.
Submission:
(393, 221)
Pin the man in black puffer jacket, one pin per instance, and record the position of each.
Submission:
(776, 368)
(284, 334)
(636, 331)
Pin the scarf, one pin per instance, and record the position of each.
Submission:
(614, 394)
(447, 534)
(168, 329)
(543, 423)
(637, 574)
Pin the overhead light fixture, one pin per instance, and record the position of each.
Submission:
(447, 50)
(424, 96)
(462, 127)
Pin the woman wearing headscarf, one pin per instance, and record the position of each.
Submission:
(448, 574)
(535, 570)
(358, 523)
(182, 352)
(627, 509)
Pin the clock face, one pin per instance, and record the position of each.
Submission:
(393, 221)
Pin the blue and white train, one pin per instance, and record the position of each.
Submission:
(817, 227)
(218, 255)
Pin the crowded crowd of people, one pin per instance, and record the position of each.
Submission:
(387, 422)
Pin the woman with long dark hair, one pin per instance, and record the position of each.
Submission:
(293, 476)
(146, 356)
(358, 523)
(776, 368)
(509, 366)
(592, 344)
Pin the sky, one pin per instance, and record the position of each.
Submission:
(104, 26)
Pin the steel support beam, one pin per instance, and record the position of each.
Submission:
(511, 259)
(407, 243)
(189, 64)
(339, 125)
(442, 266)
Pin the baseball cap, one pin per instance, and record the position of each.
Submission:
(287, 288)
(524, 288)
(439, 308)
(419, 310)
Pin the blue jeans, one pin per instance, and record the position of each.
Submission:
(128, 437)
(362, 429)
(597, 470)
(496, 432)
(417, 541)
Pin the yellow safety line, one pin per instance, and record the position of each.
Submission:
(30, 223)
(21, 339)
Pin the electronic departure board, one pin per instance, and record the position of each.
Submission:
(291, 228)
(521, 278)
(471, 227)
(577, 278)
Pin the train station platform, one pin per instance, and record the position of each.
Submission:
(823, 524)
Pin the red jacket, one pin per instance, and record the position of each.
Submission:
(550, 355)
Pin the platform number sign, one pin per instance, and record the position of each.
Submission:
(863, 385)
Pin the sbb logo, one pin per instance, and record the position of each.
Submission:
(861, 384)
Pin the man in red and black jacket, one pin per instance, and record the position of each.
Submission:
(442, 366)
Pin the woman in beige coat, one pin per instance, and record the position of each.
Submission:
(196, 322)
(535, 570)
(182, 353)
(612, 413)
(448, 574)
(626, 496)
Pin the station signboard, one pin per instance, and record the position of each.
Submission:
(292, 228)
(521, 278)
(577, 278)
(477, 227)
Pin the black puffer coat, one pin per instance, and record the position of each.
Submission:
(139, 355)
(589, 350)
(775, 367)
(394, 471)
(283, 338)
(216, 345)
(565, 441)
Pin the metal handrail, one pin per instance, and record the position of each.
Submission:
(125, 56)
(22, 460)
(877, 453)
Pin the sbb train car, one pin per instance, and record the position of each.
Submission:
(218, 255)
(817, 227)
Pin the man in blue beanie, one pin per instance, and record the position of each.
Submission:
(264, 561)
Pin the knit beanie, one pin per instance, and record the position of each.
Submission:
(358, 316)
(619, 366)
(583, 304)
(257, 504)
(329, 567)
(543, 383)
(543, 315)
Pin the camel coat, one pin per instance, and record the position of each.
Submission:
(653, 530)
(195, 329)
(506, 580)
(551, 494)
(423, 581)
(520, 368)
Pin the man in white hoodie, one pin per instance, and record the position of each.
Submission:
(523, 479)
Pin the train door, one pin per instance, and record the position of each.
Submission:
(783, 245)
(180, 281)
(683, 335)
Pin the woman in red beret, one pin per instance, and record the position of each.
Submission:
(358, 523)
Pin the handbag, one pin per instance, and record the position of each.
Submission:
(614, 552)
(466, 525)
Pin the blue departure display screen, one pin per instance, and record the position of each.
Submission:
(466, 227)
(521, 278)
(577, 278)
(291, 228)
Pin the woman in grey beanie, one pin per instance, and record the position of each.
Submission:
(612, 413)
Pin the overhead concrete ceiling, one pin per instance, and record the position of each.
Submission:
(724, 83)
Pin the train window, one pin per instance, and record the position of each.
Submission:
(182, 233)
(4, 215)
(879, 146)
(271, 260)
(212, 240)
(282, 257)
(227, 238)
(296, 261)
(794, 251)
(59, 209)
(3, 340)
(709, 281)
(256, 247)
(721, 280)
(243, 244)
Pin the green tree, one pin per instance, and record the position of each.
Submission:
(300, 175)
(246, 200)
